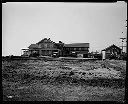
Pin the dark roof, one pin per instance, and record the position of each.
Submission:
(33, 46)
(59, 44)
(111, 47)
(77, 45)
(45, 40)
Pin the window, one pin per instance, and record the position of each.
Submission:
(79, 49)
(51, 45)
(42, 45)
(48, 45)
(85, 48)
(45, 45)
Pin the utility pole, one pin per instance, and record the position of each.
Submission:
(122, 43)
(123, 40)
(126, 36)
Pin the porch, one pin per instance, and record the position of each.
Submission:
(40, 52)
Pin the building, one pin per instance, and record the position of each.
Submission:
(46, 47)
(111, 52)
(76, 50)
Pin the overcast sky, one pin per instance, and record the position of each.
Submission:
(100, 24)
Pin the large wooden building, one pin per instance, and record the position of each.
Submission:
(46, 47)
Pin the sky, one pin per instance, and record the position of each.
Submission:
(99, 24)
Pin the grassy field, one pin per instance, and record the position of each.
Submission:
(39, 80)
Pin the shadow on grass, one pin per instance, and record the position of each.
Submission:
(102, 82)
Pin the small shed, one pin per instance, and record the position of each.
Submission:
(112, 52)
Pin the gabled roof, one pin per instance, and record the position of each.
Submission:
(77, 45)
(45, 40)
(111, 47)
(33, 46)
